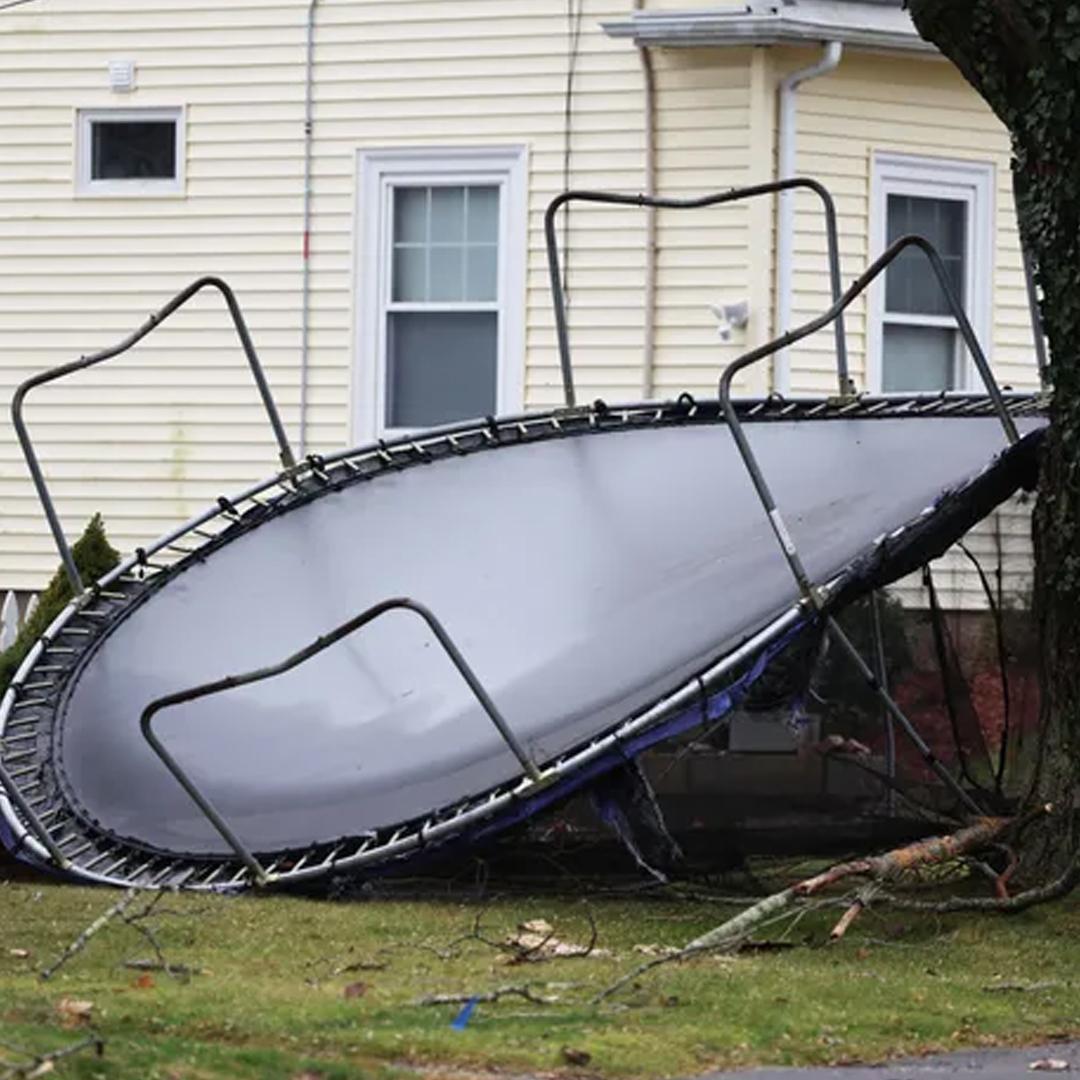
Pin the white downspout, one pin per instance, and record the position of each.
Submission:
(648, 360)
(787, 141)
(305, 284)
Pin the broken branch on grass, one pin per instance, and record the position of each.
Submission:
(492, 995)
(729, 935)
(43, 1064)
(178, 970)
(1042, 894)
(932, 852)
(95, 927)
(858, 906)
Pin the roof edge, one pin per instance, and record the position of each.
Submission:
(862, 25)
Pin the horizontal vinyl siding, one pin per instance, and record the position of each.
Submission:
(150, 438)
(703, 145)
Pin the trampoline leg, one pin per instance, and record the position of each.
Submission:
(898, 715)
(8, 789)
(886, 716)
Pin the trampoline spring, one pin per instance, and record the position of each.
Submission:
(87, 845)
(141, 869)
(8, 740)
(204, 534)
(62, 650)
(48, 813)
(181, 550)
(164, 872)
(238, 876)
(113, 867)
(99, 859)
(94, 613)
(301, 862)
(25, 789)
(213, 875)
(21, 755)
(61, 841)
(76, 631)
(30, 703)
(110, 595)
(182, 875)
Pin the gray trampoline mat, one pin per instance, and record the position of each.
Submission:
(581, 577)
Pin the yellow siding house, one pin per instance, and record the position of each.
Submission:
(371, 176)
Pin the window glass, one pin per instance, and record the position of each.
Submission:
(910, 284)
(441, 366)
(125, 150)
(442, 331)
(920, 342)
(918, 358)
(446, 244)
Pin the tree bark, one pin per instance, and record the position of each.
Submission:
(1023, 57)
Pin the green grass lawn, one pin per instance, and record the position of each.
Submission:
(270, 999)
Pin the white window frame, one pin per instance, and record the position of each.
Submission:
(137, 187)
(972, 182)
(378, 173)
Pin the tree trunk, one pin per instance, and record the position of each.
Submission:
(1023, 57)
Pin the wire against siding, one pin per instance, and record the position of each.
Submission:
(575, 10)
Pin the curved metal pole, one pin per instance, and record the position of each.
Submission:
(558, 294)
(155, 320)
(297, 658)
(811, 595)
(860, 286)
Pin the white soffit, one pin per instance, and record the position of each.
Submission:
(861, 23)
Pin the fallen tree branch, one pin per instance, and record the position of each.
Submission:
(858, 906)
(931, 852)
(44, 1064)
(1053, 890)
(492, 995)
(729, 935)
(95, 927)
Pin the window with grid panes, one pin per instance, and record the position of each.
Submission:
(442, 329)
(920, 346)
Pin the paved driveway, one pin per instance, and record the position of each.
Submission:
(980, 1064)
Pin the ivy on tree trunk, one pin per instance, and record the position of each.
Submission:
(1023, 57)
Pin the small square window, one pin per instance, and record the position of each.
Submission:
(130, 151)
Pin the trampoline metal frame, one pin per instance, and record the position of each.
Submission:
(656, 202)
(813, 599)
(288, 459)
(811, 605)
(111, 860)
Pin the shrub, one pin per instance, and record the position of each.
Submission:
(94, 556)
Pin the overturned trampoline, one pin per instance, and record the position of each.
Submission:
(535, 601)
